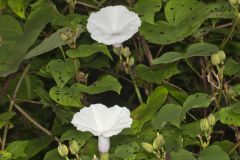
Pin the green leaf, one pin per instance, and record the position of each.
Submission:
(48, 44)
(127, 151)
(191, 129)
(88, 50)
(70, 96)
(230, 115)
(168, 113)
(9, 29)
(212, 153)
(17, 149)
(66, 96)
(156, 74)
(198, 100)
(5, 117)
(168, 57)
(35, 146)
(4, 155)
(36, 21)
(184, 17)
(53, 155)
(231, 67)
(63, 71)
(200, 49)
(80, 137)
(147, 9)
(194, 50)
(18, 7)
(103, 84)
(145, 112)
(69, 20)
(155, 101)
(182, 154)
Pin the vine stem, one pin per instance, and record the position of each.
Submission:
(12, 101)
(194, 70)
(235, 147)
(225, 41)
(34, 122)
(137, 90)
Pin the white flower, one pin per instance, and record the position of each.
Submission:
(103, 122)
(113, 25)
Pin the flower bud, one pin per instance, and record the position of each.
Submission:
(204, 125)
(95, 157)
(131, 61)
(74, 147)
(64, 36)
(215, 59)
(147, 147)
(126, 52)
(62, 150)
(158, 142)
(222, 55)
(211, 119)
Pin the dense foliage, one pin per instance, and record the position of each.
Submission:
(179, 76)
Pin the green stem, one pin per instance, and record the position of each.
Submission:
(194, 70)
(5, 131)
(63, 53)
(87, 5)
(225, 41)
(104, 156)
(137, 90)
(34, 122)
(235, 147)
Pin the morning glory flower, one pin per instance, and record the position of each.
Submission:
(103, 122)
(113, 25)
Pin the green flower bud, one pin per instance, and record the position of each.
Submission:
(62, 150)
(126, 52)
(204, 125)
(211, 119)
(131, 61)
(74, 147)
(64, 36)
(147, 147)
(215, 59)
(222, 55)
(158, 142)
(95, 157)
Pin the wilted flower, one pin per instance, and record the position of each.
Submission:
(113, 25)
(103, 122)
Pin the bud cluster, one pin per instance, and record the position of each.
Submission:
(127, 61)
(218, 58)
(70, 36)
(206, 126)
(157, 147)
(234, 3)
(73, 148)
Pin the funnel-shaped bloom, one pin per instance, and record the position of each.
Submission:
(113, 25)
(103, 122)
